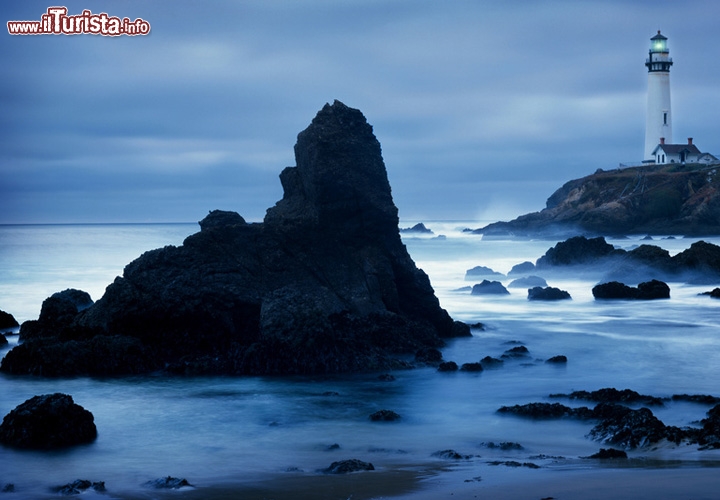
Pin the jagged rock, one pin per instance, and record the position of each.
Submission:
(547, 293)
(7, 321)
(478, 272)
(418, 228)
(649, 290)
(714, 293)
(608, 453)
(697, 398)
(80, 485)
(622, 426)
(384, 416)
(528, 282)
(348, 466)
(505, 446)
(47, 422)
(543, 411)
(575, 250)
(168, 483)
(323, 285)
(451, 455)
(489, 288)
(612, 395)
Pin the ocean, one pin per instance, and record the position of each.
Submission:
(230, 431)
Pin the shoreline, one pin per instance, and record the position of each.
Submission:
(461, 481)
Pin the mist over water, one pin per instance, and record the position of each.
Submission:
(220, 429)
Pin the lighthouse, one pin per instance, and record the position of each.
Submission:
(658, 120)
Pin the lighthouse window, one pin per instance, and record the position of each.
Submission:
(664, 118)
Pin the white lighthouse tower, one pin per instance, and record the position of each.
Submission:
(658, 122)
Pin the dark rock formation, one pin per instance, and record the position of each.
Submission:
(451, 455)
(514, 463)
(471, 367)
(656, 199)
(608, 453)
(516, 352)
(80, 485)
(528, 282)
(168, 483)
(505, 446)
(428, 356)
(384, 416)
(47, 422)
(543, 411)
(7, 321)
(612, 395)
(490, 362)
(348, 466)
(3, 340)
(575, 250)
(557, 360)
(323, 285)
(489, 288)
(714, 293)
(522, 268)
(448, 366)
(547, 293)
(479, 272)
(418, 228)
(622, 426)
(648, 290)
(697, 398)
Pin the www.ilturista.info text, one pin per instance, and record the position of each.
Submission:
(57, 22)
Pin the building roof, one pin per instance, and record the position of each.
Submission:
(674, 149)
(659, 37)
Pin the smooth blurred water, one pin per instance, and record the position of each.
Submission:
(217, 429)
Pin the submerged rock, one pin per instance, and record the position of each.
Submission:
(323, 285)
(168, 483)
(478, 272)
(418, 228)
(79, 486)
(47, 422)
(348, 466)
(528, 282)
(451, 455)
(489, 288)
(608, 453)
(547, 293)
(384, 416)
(649, 290)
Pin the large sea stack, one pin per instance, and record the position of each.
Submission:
(323, 285)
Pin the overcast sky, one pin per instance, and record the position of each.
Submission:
(482, 108)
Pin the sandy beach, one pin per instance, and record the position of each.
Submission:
(472, 482)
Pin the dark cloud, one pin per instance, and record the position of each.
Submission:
(482, 108)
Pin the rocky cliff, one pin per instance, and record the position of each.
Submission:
(324, 284)
(656, 199)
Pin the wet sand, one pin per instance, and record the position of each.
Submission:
(474, 482)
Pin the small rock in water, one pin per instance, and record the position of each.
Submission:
(348, 466)
(516, 352)
(606, 453)
(80, 485)
(8, 488)
(451, 455)
(384, 416)
(489, 288)
(169, 482)
(547, 293)
(505, 445)
(490, 362)
(560, 359)
(448, 366)
(471, 367)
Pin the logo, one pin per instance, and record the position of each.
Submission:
(56, 21)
